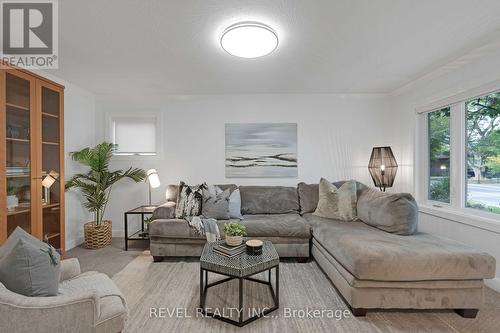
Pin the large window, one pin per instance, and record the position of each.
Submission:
(439, 155)
(483, 153)
(462, 149)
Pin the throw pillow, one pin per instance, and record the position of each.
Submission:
(234, 201)
(216, 206)
(31, 270)
(337, 203)
(189, 200)
(17, 234)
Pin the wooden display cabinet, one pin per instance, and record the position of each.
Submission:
(31, 149)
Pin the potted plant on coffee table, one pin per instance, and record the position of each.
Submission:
(95, 186)
(234, 233)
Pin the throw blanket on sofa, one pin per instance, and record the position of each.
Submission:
(203, 226)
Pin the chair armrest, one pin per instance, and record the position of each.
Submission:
(165, 211)
(19, 313)
(69, 269)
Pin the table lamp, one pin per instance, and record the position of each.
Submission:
(47, 182)
(154, 182)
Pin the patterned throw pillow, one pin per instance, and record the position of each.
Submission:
(337, 203)
(189, 200)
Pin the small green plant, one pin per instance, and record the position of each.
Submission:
(235, 229)
(148, 220)
(11, 189)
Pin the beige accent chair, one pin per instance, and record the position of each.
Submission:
(88, 302)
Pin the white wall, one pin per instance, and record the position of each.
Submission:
(473, 70)
(79, 132)
(335, 137)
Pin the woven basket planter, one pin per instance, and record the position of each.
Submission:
(234, 240)
(97, 236)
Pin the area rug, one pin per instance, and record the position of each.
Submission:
(164, 297)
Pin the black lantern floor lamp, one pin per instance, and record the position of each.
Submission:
(382, 167)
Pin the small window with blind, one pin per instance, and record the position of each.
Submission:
(134, 136)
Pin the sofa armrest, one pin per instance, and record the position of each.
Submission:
(69, 269)
(165, 211)
(79, 311)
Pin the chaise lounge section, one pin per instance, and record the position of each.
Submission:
(376, 269)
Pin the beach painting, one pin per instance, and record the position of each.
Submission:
(261, 150)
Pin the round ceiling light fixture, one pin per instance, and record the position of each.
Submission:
(249, 40)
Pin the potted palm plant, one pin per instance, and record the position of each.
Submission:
(95, 186)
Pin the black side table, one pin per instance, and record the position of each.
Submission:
(139, 234)
(240, 267)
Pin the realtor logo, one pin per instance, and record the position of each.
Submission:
(29, 33)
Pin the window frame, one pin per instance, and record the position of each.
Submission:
(146, 115)
(427, 165)
(458, 151)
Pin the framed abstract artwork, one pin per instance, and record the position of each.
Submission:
(261, 150)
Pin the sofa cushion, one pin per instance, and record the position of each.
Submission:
(309, 195)
(337, 203)
(174, 228)
(171, 193)
(276, 225)
(372, 254)
(392, 212)
(269, 200)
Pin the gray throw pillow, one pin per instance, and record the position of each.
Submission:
(337, 203)
(216, 206)
(396, 213)
(234, 199)
(31, 270)
(189, 200)
(17, 234)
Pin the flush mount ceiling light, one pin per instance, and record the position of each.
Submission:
(249, 40)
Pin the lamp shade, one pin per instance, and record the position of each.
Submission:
(382, 167)
(154, 180)
(50, 179)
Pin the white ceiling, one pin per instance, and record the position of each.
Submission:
(326, 46)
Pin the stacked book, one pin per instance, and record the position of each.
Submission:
(229, 251)
(15, 170)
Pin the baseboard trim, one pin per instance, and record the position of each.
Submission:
(493, 284)
(72, 243)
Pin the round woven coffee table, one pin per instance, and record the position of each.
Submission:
(241, 267)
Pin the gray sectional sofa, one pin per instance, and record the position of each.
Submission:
(384, 265)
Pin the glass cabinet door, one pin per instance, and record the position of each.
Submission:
(19, 117)
(51, 166)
